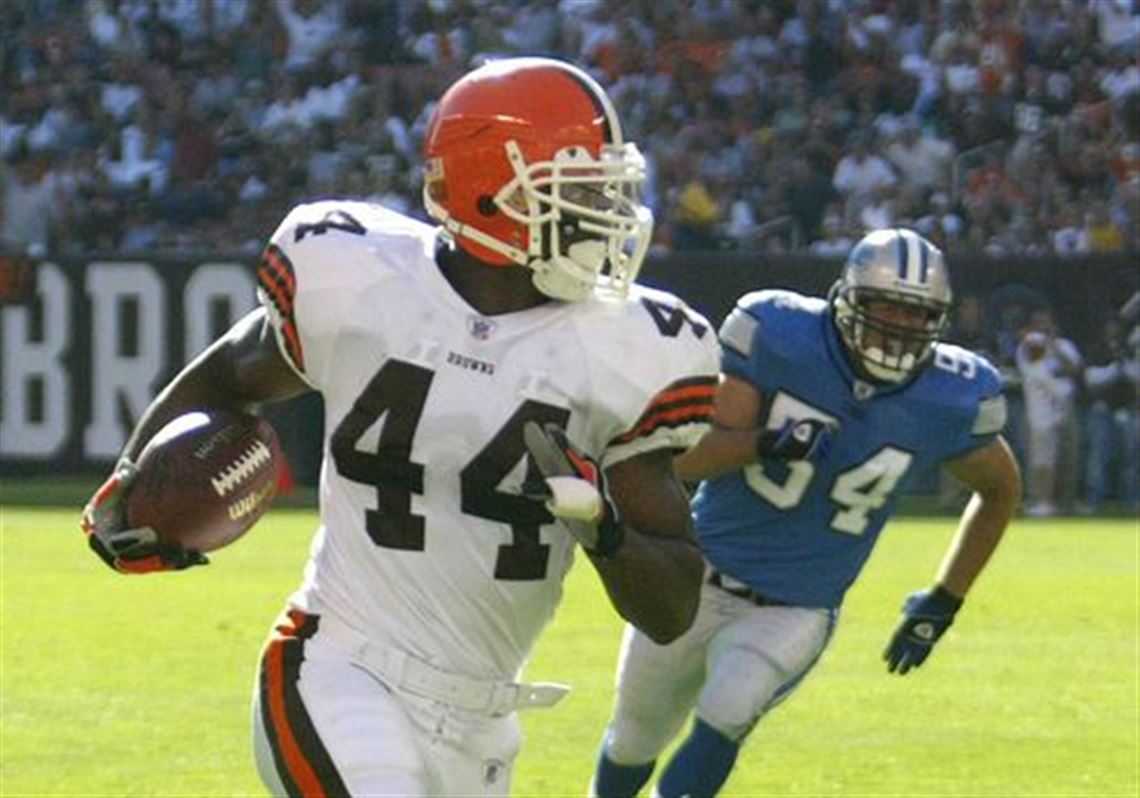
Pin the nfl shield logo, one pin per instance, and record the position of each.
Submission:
(863, 390)
(480, 328)
(493, 770)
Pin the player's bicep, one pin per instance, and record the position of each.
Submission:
(736, 404)
(251, 360)
(731, 443)
(990, 470)
(648, 495)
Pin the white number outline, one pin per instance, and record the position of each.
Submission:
(856, 492)
(955, 363)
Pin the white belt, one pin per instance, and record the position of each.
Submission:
(402, 670)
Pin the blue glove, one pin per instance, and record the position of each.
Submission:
(927, 615)
(803, 439)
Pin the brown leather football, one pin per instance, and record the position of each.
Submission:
(205, 478)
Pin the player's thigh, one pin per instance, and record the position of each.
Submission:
(476, 755)
(658, 685)
(756, 661)
(324, 725)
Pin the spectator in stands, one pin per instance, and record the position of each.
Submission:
(941, 224)
(1113, 389)
(697, 211)
(880, 209)
(1117, 24)
(860, 173)
(1069, 237)
(810, 192)
(1101, 231)
(312, 29)
(30, 199)
(1049, 82)
(834, 243)
(921, 159)
(1050, 367)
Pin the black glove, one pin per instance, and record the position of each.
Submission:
(574, 489)
(927, 615)
(805, 439)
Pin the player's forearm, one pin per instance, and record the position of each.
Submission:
(980, 529)
(654, 583)
(237, 371)
(721, 450)
(200, 384)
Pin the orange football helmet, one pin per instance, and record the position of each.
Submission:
(525, 164)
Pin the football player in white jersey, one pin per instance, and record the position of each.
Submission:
(872, 398)
(498, 394)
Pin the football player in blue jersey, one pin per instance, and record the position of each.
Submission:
(826, 411)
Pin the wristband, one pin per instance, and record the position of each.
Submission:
(942, 600)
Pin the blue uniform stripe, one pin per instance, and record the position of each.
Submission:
(902, 255)
(924, 261)
(785, 689)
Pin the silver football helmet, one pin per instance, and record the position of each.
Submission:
(900, 267)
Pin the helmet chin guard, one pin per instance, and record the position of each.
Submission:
(587, 227)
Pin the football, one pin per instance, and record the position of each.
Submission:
(205, 478)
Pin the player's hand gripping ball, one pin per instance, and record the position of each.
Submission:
(205, 479)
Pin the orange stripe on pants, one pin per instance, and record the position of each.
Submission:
(300, 770)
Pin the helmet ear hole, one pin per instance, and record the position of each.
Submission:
(486, 205)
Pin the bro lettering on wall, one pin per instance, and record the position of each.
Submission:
(85, 346)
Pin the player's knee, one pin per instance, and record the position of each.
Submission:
(635, 738)
(733, 699)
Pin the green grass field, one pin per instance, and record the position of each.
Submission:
(115, 686)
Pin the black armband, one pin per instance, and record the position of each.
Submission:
(765, 441)
(611, 536)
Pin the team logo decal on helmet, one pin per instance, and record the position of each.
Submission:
(525, 164)
(897, 267)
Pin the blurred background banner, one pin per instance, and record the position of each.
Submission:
(88, 341)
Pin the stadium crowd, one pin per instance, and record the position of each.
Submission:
(1008, 127)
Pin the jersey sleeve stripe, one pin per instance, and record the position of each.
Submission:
(991, 416)
(275, 275)
(688, 401)
(276, 278)
(281, 264)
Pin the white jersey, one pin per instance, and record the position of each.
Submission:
(425, 542)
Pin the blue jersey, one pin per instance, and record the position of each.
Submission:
(801, 532)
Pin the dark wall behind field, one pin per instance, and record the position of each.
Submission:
(88, 341)
(1081, 291)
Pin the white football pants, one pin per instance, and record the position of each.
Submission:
(736, 662)
(327, 723)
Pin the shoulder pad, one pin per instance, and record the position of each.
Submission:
(777, 300)
(977, 381)
(333, 247)
(757, 309)
(665, 396)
